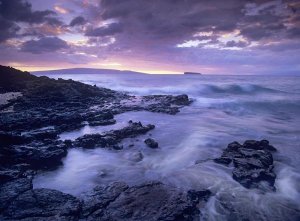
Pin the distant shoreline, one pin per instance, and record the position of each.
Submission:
(192, 73)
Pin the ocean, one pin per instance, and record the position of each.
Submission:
(224, 109)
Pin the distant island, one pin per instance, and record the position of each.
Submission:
(192, 73)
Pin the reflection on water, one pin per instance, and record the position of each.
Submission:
(224, 110)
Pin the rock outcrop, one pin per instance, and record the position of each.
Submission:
(151, 143)
(113, 137)
(149, 201)
(253, 163)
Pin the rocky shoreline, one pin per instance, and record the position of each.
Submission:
(30, 143)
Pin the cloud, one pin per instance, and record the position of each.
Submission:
(8, 29)
(181, 33)
(21, 11)
(239, 44)
(79, 20)
(42, 45)
(14, 11)
(294, 32)
(108, 30)
(60, 9)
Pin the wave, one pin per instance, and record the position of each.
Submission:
(244, 89)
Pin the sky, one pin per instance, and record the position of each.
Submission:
(152, 36)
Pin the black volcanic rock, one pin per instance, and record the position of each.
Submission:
(10, 190)
(149, 201)
(253, 163)
(43, 204)
(39, 155)
(166, 103)
(113, 137)
(13, 80)
(151, 143)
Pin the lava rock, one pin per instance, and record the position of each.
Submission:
(43, 204)
(14, 171)
(41, 134)
(151, 143)
(223, 160)
(149, 201)
(39, 155)
(10, 190)
(113, 137)
(102, 122)
(11, 138)
(97, 200)
(180, 100)
(253, 163)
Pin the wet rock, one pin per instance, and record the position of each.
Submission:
(164, 103)
(43, 204)
(160, 108)
(180, 100)
(151, 143)
(97, 200)
(223, 160)
(113, 137)
(253, 163)
(258, 145)
(11, 138)
(142, 203)
(14, 171)
(41, 134)
(10, 190)
(102, 122)
(39, 155)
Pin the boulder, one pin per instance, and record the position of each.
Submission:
(151, 143)
(253, 163)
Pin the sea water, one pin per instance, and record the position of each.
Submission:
(224, 109)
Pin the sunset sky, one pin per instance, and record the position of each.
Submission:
(153, 36)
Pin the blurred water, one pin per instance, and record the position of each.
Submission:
(225, 109)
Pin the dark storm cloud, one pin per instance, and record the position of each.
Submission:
(8, 29)
(21, 11)
(47, 44)
(173, 18)
(108, 30)
(14, 11)
(79, 20)
(177, 20)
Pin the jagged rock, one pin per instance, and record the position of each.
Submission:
(41, 134)
(10, 190)
(97, 200)
(13, 172)
(43, 204)
(253, 163)
(102, 122)
(142, 203)
(11, 138)
(151, 143)
(37, 155)
(113, 137)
